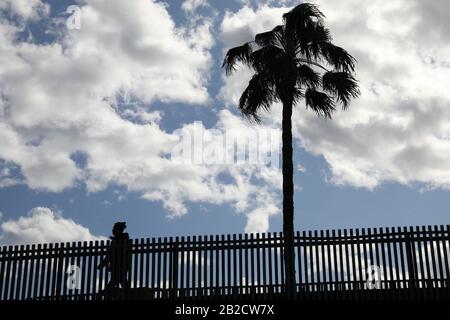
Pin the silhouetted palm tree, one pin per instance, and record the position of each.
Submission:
(294, 61)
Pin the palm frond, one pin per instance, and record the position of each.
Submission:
(301, 13)
(267, 58)
(235, 55)
(319, 102)
(270, 38)
(307, 76)
(336, 56)
(341, 84)
(309, 39)
(259, 95)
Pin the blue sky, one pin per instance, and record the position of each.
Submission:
(70, 101)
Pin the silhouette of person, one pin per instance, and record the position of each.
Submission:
(118, 259)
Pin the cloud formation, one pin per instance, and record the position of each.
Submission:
(399, 129)
(76, 110)
(42, 225)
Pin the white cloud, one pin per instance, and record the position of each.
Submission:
(25, 9)
(241, 26)
(87, 94)
(71, 88)
(42, 225)
(191, 5)
(398, 130)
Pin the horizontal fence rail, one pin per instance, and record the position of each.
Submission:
(338, 264)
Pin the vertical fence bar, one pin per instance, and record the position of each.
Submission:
(159, 284)
(324, 276)
(347, 265)
(341, 260)
(335, 262)
(37, 274)
(421, 283)
(299, 265)
(31, 274)
(446, 258)
(20, 272)
(3, 262)
(401, 244)
(59, 258)
(270, 263)
(352, 255)
(311, 262)
(282, 270)
(188, 266)
(252, 264)
(227, 266)
(4, 265)
(181, 247)
(330, 266)
(389, 258)
(153, 268)
(411, 261)
(376, 239)
(423, 235)
(12, 276)
(147, 268)
(98, 270)
(446, 248)
(395, 242)
(95, 278)
(175, 251)
(258, 263)
(169, 265)
(439, 256)
(358, 260)
(222, 263)
(264, 265)
(84, 268)
(365, 260)
(316, 272)
(211, 265)
(241, 265)
(142, 258)
(247, 287)
(276, 283)
(42, 271)
(432, 237)
(199, 266)
(235, 267)
(164, 265)
(217, 264)
(89, 254)
(205, 266)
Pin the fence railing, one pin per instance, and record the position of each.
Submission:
(336, 263)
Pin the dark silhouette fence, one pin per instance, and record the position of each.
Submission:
(342, 264)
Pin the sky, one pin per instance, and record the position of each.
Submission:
(96, 95)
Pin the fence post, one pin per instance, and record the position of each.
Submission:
(174, 276)
(447, 258)
(412, 269)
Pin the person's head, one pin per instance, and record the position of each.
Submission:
(119, 228)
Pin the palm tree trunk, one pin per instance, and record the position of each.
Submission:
(288, 199)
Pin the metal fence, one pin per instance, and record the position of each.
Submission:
(338, 264)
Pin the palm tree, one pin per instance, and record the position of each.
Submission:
(294, 61)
